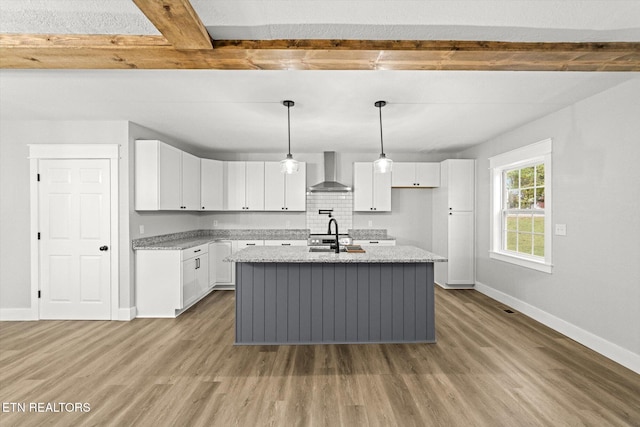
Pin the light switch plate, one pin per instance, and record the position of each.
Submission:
(215, 222)
(561, 229)
(370, 224)
(142, 229)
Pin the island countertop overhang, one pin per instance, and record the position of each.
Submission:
(301, 254)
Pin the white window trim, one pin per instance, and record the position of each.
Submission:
(539, 151)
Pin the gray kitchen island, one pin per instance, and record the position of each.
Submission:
(288, 295)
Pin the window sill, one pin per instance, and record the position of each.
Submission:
(523, 262)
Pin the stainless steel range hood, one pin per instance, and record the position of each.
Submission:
(329, 185)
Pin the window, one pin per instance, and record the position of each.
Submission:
(521, 206)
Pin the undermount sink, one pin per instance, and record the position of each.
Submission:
(325, 249)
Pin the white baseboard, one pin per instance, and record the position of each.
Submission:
(17, 314)
(127, 314)
(608, 349)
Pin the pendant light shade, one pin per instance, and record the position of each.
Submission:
(383, 164)
(289, 165)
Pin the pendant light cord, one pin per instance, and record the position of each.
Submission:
(289, 127)
(381, 145)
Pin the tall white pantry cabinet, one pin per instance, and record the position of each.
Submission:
(454, 223)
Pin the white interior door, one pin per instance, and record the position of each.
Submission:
(74, 223)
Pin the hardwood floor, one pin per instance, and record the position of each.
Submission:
(488, 368)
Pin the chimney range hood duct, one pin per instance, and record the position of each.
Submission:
(329, 185)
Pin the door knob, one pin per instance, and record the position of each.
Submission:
(104, 248)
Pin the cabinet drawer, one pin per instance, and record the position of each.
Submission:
(374, 242)
(285, 243)
(195, 251)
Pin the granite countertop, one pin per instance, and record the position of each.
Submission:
(300, 254)
(190, 239)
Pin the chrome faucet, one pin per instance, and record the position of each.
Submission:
(337, 245)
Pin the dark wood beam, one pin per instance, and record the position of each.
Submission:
(23, 51)
(178, 23)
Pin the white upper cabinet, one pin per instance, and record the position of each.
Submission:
(169, 176)
(371, 191)
(415, 175)
(190, 182)
(244, 189)
(166, 178)
(458, 177)
(284, 192)
(211, 185)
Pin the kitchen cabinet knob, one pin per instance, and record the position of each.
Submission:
(104, 248)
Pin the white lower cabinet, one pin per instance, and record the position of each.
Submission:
(374, 242)
(222, 274)
(170, 281)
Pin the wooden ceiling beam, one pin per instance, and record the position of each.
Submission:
(24, 51)
(177, 22)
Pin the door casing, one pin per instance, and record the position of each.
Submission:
(73, 151)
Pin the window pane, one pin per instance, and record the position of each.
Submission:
(540, 198)
(527, 198)
(526, 177)
(524, 223)
(538, 245)
(513, 202)
(538, 224)
(524, 243)
(511, 179)
(512, 222)
(511, 240)
(540, 175)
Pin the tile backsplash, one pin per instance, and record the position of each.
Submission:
(342, 205)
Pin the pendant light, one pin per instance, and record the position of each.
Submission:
(288, 165)
(383, 164)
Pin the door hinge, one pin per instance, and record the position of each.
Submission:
(38, 235)
(38, 294)
(38, 177)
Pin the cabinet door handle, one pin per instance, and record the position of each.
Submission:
(197, 250)
(251, 244)
(286, 244)
(197, 263)
(373, 241)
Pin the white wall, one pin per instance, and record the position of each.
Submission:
(15, 257)
(593, 293)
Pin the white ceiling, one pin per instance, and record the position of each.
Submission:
(509, 20)
(241, 111)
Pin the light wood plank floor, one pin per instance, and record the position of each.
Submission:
(488, 368)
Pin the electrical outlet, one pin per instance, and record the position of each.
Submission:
(370, 223)
(288, 224)
(561, 229)
(142, 229)
(215, 222)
